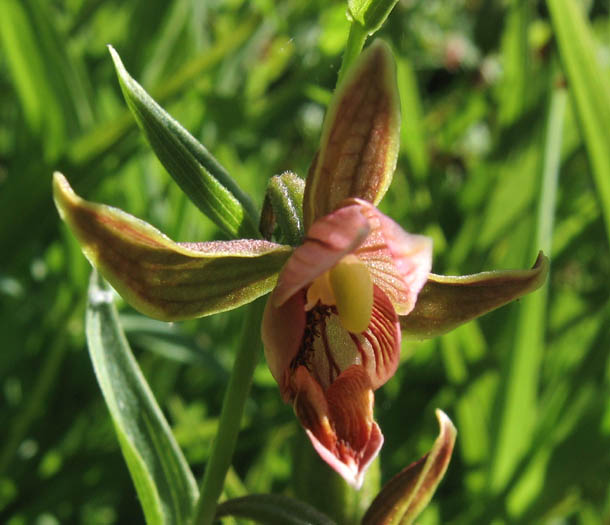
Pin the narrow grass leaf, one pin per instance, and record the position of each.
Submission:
(589, 86)
(87, 149)
(271, 508)
(163, 481)
(412, 137)
(29, 68)
(191, 165)
(514, 88)
(520, 402)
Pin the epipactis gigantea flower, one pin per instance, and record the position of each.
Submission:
(340, 300)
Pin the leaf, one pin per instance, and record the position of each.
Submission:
(590, 88)
(518, 408)
(403, 498)
(29, 63)
(412, 133)
(191, 165)
(163, 279)
(270, 508)
(165, 485)
(445, 302)
(360, 137)
(515, 89)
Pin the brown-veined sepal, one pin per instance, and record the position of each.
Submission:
(159, 277)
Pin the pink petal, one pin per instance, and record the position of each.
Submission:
(352, 473)
(398, 261)
(282, 332)
(328, 240)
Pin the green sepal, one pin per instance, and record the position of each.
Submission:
(446, 302)
(404, 497)
(191, 165)
(370, 14)
(161, 278)
(270, 508)
(360, 137)
(283, 207)
(165, 485)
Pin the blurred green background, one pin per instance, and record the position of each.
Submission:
(489, 129)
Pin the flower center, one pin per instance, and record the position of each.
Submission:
(349, 287)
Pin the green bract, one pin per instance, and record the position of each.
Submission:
(404, 497)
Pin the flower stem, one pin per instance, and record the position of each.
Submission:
(230, 416)
(355, 42)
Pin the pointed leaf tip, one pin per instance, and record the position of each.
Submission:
(445, 302)
(159, 277)
(408, 493)
(360, 137)
(195, 170)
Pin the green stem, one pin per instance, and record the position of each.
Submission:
(230, 417)
(355, 42)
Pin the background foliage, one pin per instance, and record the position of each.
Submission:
(489, 131)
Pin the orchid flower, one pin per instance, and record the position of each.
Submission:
(331, 329)
(340, 300)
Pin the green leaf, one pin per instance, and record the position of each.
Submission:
(29, 64)
(515, 89)
(413, 139)
(191, 165)
(370, 14)
(165, 485)
(163, 279)
(403, 498)
(270, 508)
(590, 88)
(445, 302)
(518, 411)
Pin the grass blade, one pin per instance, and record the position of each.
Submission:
(590, 89)
(519, 405)
(269, 508)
